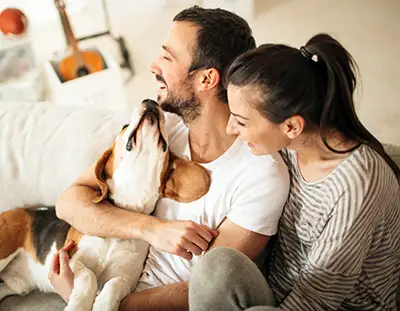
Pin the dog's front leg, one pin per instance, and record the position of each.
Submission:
(84, 291)
(113, 292)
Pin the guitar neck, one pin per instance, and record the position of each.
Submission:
(70, 37)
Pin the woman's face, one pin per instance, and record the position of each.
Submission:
(261, 135)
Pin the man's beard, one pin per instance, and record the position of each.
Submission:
(188, 107)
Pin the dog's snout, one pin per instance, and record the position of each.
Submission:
(151, 112)
(151, 116)
(150, 104)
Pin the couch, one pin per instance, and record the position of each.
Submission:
(43, 149)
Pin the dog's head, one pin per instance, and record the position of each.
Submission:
(139, 165)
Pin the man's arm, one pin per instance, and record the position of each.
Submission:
(248, 242)
(76, 207)
(174, 297)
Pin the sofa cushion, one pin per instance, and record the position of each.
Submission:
(393, 151)
(44, 148)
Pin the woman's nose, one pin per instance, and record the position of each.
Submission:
(231, 128)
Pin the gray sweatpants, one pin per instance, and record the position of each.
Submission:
(225, 279)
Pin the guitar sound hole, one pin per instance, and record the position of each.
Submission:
(82, 71)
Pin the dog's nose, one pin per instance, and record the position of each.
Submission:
(150, 104)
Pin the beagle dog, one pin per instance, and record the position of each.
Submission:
(132, 174)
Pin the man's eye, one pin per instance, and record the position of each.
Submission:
(167, 58)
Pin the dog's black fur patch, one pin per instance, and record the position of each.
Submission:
(47, 229)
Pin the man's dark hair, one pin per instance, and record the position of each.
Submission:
(222, 36)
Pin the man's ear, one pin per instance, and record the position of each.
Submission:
(101, 176)
(210, 79)
(186, 181)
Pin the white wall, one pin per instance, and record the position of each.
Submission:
(369, 29)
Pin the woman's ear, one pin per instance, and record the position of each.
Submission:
(101, 176)
(186, 181)
(293, 126)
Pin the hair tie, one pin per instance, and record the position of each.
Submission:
(307, 55)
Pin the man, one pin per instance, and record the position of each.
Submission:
(247, 193)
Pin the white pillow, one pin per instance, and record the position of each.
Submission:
(44, 148)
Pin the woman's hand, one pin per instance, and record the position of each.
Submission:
(60, 274)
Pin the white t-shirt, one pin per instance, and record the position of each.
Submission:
(249, 190)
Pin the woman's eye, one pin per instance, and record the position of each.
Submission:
(166, 58)
(240, 123)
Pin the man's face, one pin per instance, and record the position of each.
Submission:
(176, 91)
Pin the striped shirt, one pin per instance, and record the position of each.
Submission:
(338, 242)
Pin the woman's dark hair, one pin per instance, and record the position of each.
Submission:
(316, 82)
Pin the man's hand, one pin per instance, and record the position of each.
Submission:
(184, 238)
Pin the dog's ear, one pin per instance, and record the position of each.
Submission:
(101, 176)
(185, 181)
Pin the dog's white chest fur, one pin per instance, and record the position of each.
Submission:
(110, 258)
(135, 181)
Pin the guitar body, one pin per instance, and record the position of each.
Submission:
(70, 69)
(81, 62)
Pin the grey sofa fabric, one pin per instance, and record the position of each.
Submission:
(35, 301)
(394, 152)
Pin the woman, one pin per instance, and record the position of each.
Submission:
(339, 235)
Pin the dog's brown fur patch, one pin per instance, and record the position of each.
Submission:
(183, 180)
(73, 235)
(15, 232)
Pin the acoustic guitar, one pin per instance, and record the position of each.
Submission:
(81, 62)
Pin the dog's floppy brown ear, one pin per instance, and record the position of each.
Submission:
(101, 175)
(186, 181)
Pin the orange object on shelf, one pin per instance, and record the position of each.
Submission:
(13, 22)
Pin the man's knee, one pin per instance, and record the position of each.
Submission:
(220, 263)
(224, 272)
(222, 267)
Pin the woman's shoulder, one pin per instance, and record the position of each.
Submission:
(366, 172)
(363, 171)
(367, 162)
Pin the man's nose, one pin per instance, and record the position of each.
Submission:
(231, 128)
(154, 69)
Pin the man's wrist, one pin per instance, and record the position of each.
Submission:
(146, 229)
